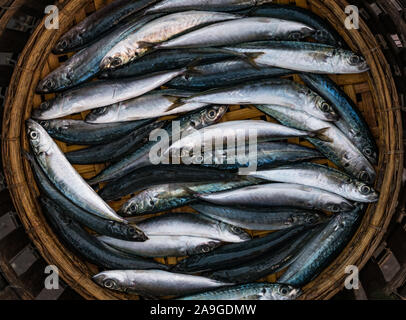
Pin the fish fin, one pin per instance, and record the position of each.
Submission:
(190, 192)
(320, 134)
(250, 58)
(146, 44)
(176, 102)
(28, 155)
(191, 67)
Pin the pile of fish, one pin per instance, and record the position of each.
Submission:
(188, 60)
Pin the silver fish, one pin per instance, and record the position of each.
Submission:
(155, 283)
(339, 149)
(64, 176)
(163, 246)
(218, 5)
(240, 130)
(152, 105)
(301, 56)
(280, 195)
(251, 291)
(239, 31)
(101, 93)
(272, 91)
(318, 176)
(194, 225)
(156, 31)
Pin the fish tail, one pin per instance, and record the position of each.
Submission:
(250, 58)
(320, 134)
(176, 102)
(147, 45)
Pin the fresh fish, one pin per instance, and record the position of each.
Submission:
(80, 132)
(237, 130)
(155, 283)
(102, 226)
(324, 32)
(141, 157)
(281, 92)
(302, 56)
(239, 31)
(322, 177)
(252, 291)
(323, 248)
(267, 264)
(159, 30)
(143, 178)
(115, 150)
(98, 23)
(163, 246)
(97, 94)
(169, 196)
(64, 176)
(165, 60)
(223, 74)
(194, 225)
(351, 121)
(341, 151)
(267, 154)
(234, 254)
(217, 5)
(255, 219)
(280, 195)
(85, 64)
(151, 105)
(89, 247)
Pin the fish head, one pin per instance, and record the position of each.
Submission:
(367, 174)
(370, 152)
(204, 248)
(236, 231)
(319, 107)
(117, 57)
(52, 83)
(102, 115)
(210, 116)
(280, 292)
(41, 112)
(65, 42)
(39, 139)
(113, 280)
(299, 31)
(350, 62)
(142, 202)
(309, 219)
(336, 204)
(365, 193)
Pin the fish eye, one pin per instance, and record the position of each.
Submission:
(365, 189)
(354, 60)
(132, 230)
(133, 208)
(368, 151)
(63, 44)
(284, 291)
(325, 107)
(33, 135)
(44, 123)
(49, 84)
(100, 110)
(335, 208)
(44, 106)
(235, 229)
(212, 114)
(116, 62)
(109, 283)
(364, 176)
(205, 249)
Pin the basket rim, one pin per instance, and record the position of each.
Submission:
(19, 177)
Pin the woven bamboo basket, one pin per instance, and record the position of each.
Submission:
(374, 93)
